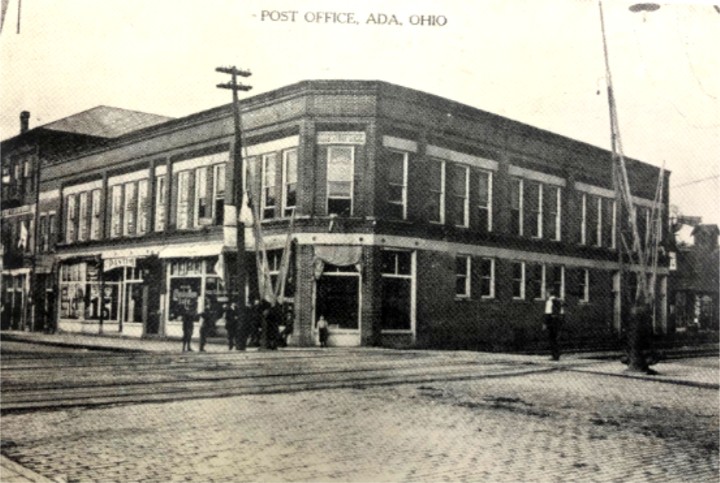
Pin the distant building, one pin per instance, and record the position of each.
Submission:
(418, 221)
(696, 284)
(29, 237)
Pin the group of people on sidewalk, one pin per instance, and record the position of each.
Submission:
(261, 325)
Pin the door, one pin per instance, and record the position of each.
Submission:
(337, 298)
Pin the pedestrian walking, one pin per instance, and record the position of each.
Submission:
(552, 321)
(188, 321)
(287, 329)
(231, 324)
(322, 326)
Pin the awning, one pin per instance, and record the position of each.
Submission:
(191, 250)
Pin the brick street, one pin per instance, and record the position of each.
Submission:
(545, 426)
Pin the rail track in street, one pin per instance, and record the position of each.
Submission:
(36, 380)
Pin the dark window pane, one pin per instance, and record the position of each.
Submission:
(395, 314)
(531, 208)
(337, 300)
(339, 207)
(393, 211)
(534, 286)
(387, 262)
(456, 211)
(550, 211)
(484, 189)
(404, 263)
(483, 220)
(607, 222)
(396, 168)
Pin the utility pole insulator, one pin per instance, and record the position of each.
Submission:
(234, 71)
(239, 87)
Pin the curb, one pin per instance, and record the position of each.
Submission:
(18, 472)
(644, 377)
(71, 345)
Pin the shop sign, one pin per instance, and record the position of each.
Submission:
(341, 137)
(111, 263)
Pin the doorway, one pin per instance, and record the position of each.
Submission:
(338, 299)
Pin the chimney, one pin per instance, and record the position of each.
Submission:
(24, 121)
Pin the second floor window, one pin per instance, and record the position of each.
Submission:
(201, 205)
(95, 214)
(219, 194)
(516, 205)
(397, 170)
(43, 230)
(458, 195)
(83, 225)
(289, 181)
(116, 211)
(340, 165)
(485, 201)
(183, 204)
(160, 200)
(70, 218)
(143, 207)
(551, 196)
(598, 221)
(268, 189)
(130, 215)
(436, 202)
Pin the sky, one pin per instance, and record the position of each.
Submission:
(535, 61)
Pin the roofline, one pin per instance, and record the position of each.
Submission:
(336, 85)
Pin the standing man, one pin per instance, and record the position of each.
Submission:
(188, 320)
(552, 322)
(231, 324)
(207, 321)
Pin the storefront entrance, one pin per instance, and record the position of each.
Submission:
(337, 298)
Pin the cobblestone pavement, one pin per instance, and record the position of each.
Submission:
(557, 426)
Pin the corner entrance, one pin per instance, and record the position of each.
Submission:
(337, 298)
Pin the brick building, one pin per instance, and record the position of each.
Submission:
(28, 238)
(417, 220)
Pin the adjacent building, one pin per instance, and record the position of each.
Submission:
(29, 216)
(696, 284)
(414, 220)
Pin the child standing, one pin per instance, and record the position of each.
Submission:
(322, 326)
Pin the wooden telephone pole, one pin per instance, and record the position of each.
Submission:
(236, 285)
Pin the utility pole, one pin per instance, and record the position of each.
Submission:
(238, 182)
(639, 312)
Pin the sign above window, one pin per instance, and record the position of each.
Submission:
(112, 263)
(341, 137)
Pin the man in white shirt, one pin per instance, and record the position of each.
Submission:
(552, 320)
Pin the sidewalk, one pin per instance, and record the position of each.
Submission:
(114, 343)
